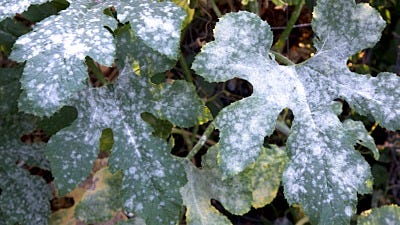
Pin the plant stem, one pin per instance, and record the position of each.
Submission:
(215, 8)
(201, 141)
(92, 66)
(281, 58)
(252, 6)
(280, 44)
(186, 70)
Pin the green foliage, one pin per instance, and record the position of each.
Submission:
(384, 215)
(256, 186)
(132, 118)
(24, 198)
(325, 172)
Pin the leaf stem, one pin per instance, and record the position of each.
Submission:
(280, 44)
(201, 141)
(281, 58)
(215, 8)
(186, 70)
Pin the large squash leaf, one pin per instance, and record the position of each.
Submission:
(56, 49)
(9, 8)
(256, 186)
(325, 172)
(152, 177)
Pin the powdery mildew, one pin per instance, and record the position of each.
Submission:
(152, 177)
(325, 172)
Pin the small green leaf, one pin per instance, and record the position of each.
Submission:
(389, 214)
(9, 8)
(162, 128)
(256, 186)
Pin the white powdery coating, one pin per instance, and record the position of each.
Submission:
(325, 172)
(55, 52)
(158, 24)
(10, 7)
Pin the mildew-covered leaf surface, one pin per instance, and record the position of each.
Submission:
(24, 198)
(152, 176)
(256, 186)
(55, 50)
(9, 8)
(325, 173)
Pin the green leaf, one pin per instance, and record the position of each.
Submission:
(66, 39)
(55, 55)
(256, 186)
(9, 8)
(12, 149)
(152, 176)
(102, 200)
(325, 172)
(389, 214)
(157, 24)
(9, 89)
(24, 198)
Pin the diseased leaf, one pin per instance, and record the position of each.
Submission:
(256, 186)
(157, 24)
(12, 149)
(55, 55)
(24, 198)
(152, 176)
(389, 214)
(101, 201)
(56, 49)
(325, 172)
(9, 8)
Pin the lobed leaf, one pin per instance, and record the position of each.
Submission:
(256, 186)
(9, 8)
(325, 172)
(149, 169)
